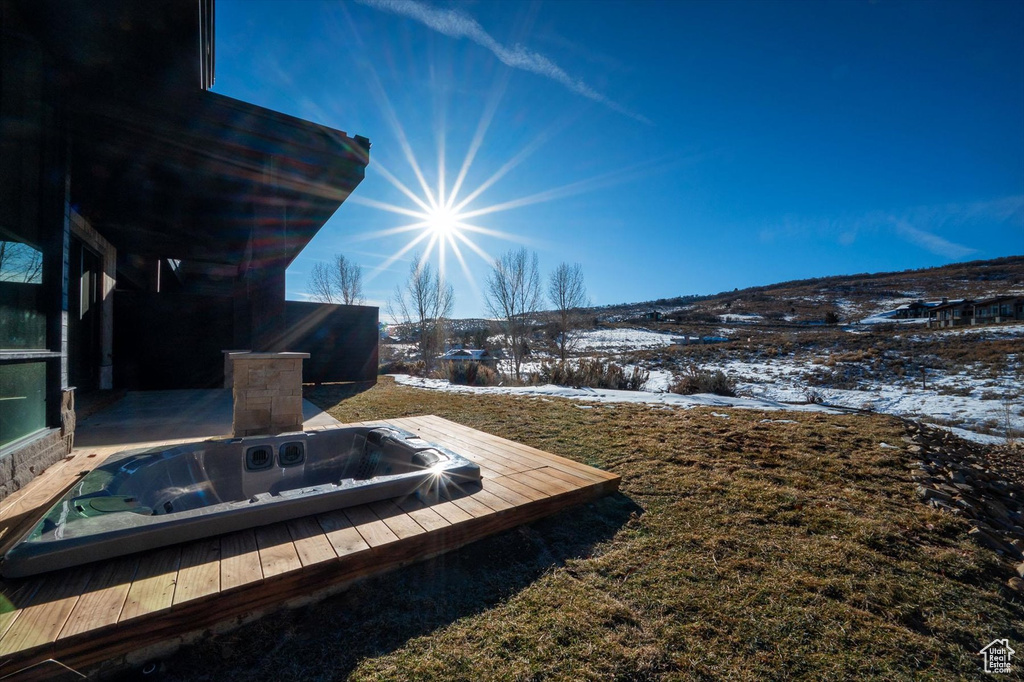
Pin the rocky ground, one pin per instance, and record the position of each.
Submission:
(984, 484)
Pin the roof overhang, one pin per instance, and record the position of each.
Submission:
(208, 178)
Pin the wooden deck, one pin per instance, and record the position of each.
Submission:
(119, 610)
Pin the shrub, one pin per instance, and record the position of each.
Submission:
(593, 373)
(468, 373)
(697, 380)
(416, 369)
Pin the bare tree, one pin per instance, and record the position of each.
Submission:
(320, 286)
(568, 294)
(19, 262)
(513, 299)
(349, 280)
(424, 302)
(342, 283)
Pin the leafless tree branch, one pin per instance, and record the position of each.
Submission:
(513, 298)
(342, 283)
(568, 295)
(424, 303)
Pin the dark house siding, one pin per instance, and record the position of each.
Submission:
(341, 340)
(170, 341)
(175, 340)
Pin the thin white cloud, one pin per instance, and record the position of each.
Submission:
(456, 24)
(918, 225)
(931, 242)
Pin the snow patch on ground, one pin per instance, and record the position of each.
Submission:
(888, 318)
(983, 438)
(622, 340)
(604, 395)
(658, 381)
(995, 331)
(740, 317)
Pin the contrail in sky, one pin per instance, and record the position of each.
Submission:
(456, 24)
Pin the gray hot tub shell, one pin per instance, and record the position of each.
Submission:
(144, 499)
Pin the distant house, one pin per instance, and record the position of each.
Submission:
(951, 314)
(470, 355)
(912, 311)
(653, 315)
(998, 309)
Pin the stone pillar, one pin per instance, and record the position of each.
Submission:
(229, 366)
(267, 392)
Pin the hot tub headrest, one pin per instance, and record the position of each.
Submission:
(377, 436)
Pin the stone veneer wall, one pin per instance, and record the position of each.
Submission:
(267, 392)
(24, 463)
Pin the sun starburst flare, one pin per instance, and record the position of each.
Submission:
(440, 216)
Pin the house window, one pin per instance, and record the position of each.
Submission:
(22, 400)
(22, 318)
(25, 360)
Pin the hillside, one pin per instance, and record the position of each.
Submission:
(770, 344)
(852, 297)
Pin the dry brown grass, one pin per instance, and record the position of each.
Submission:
(741, 547)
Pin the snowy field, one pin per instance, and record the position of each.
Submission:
(604, 395)
(622, 340)
(985, 405)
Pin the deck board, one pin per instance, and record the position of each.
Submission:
(374, 531)
(239, 560)
(199, 572)
(451, 512)
(427, 517)
(17, 593)
(152, 589)
(540, 480)
(277, 551)
(473, 505)
(49, 609)
(110, 609)
(311, 544)
(513, 497)
(342, 535)
(400, 523)
(486, 442)
(104, 598)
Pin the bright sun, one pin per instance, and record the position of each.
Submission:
(442, 222)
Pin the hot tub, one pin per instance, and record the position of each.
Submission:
(143, 499)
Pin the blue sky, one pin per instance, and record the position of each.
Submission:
(670, 148)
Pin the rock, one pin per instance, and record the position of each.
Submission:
(933, 494)
(1016, 584)
(939, 504)
(1020, 570)
(998, 511)
(985, 540)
